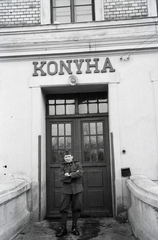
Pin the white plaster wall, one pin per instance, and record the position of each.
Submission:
(137, 116)
(133, 122)
(15, 118)
(22, 120)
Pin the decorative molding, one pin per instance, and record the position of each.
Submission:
(79, 38)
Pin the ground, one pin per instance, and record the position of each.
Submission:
(89, 228)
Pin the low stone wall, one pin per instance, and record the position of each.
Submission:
(14, 212)
(143, 212)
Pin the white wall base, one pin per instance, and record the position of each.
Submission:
(14, 212)
(143, 212)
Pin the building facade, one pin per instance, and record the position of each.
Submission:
(79, 75)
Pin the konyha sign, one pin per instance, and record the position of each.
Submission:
(77, 66)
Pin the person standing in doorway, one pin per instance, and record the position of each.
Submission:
(71, 173)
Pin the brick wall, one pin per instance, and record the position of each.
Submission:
(125, 9)
(15, 13)
(19, 13)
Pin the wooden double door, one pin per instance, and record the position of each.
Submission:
(88, 140)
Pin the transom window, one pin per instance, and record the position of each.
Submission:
(71, 11)
(82, 103)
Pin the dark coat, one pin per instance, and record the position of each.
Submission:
(73, 184)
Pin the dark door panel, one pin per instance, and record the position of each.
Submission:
(60, 135)
(97, 201)
(88, 140)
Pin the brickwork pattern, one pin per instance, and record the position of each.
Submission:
(14, 13)
(125, 9)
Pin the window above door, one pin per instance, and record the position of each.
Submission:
(72, 11)
(74, 104)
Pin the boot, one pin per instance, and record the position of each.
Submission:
(74, 224)
(75, 230)
(62, 231)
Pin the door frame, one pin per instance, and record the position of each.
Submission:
(77, 124)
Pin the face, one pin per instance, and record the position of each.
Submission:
(68, 158)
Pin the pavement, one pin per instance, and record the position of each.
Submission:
(89, 228)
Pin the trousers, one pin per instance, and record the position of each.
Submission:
(74, 200)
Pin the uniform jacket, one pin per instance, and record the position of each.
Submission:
(73, 184)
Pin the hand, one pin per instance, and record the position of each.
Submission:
(67, 174)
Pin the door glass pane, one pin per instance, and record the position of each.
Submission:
(93, 108)
(54, 129)
(60, 156)
(103, 108)
(60, 101)
(86, 155)
(68, 129)
(82, 108)
(68, 142)
(82, 2)
(94, 155)
(92, 128)
(100, 141)
(61, 142)
(51, 110)
(93, 142)
(54, 143)
(68, 101)
(83, 14)
(51, 101)
(62, 15)
(70, 109)
(59, 3)
(85, 128)
(60, 110)
(99, 128)
(61, 129)
(86, 142)
(101, 155)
